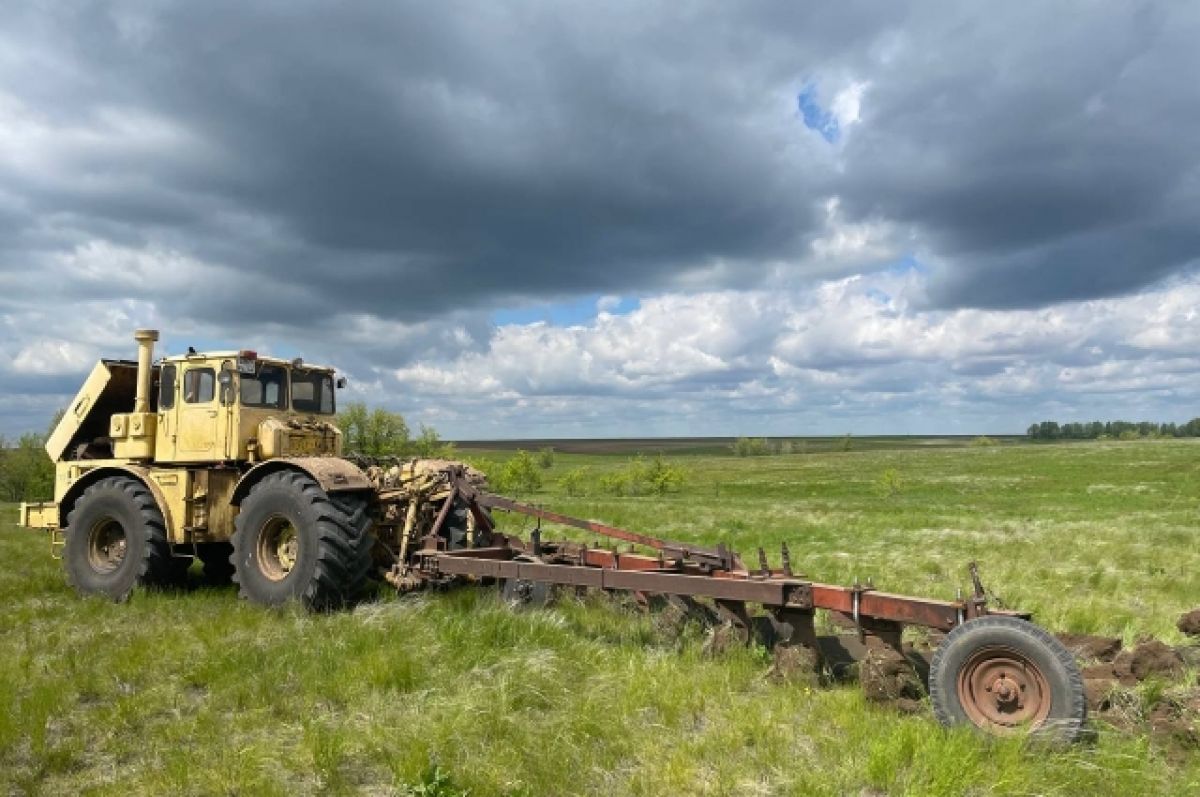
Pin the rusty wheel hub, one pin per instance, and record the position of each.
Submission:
(1001, 689)
(106, 546)
(278, 548)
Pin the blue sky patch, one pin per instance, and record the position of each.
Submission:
(563, 314)
(816, 117)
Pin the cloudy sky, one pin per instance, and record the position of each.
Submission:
(512, 219)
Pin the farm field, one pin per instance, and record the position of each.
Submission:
(440, 694)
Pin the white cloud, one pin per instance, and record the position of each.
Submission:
(847, 104)
(53, 357)
(743, 361)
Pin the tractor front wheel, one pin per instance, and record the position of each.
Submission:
(116, 539)
(293, 541)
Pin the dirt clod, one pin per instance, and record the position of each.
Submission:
(1153, 658)
(887, 676)
(1098, 692)
(1172, 719)
(724, 638)
(1189, 623)
(1088, 647)
(795, 664)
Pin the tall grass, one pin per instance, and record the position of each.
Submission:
(443, 693)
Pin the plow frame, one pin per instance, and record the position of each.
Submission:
(681, 569)
(993, 668)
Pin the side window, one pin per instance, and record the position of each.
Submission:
(199, 385)
(166, 387)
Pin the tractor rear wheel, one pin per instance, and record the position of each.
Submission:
(293, 541)
(1004, 675)
(116, 539)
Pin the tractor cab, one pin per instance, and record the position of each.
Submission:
(240, 407)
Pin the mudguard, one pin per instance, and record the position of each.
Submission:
(334, 474)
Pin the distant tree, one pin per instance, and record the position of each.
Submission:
(520, 474)
(375, 433)
(430, 444)
(26, 472)
(58, 415)
(545, 458)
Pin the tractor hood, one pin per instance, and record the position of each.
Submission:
(297, 437)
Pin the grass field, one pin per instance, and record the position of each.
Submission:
(435, 694)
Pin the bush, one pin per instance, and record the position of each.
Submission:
(751, 447)
(545, 458)
(983, 441)
(639, 477)
(890, 483)
(520, 474)
(663, 477)
(614, 483)
(573, 480)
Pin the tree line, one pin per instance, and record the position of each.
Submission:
(1105, 430)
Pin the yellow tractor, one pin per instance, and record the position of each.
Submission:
(231, 458)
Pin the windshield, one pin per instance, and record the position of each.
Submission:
(267, 388)
(312, 391)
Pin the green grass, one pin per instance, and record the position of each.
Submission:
(197, 693)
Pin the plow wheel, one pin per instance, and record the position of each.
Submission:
(520, 592)
(1004, 675)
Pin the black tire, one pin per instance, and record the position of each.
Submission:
(294, 542)
(1002, 675)
(217, 565)
(116, 539)
(356, 507)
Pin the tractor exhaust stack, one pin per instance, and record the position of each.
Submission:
(145, 340)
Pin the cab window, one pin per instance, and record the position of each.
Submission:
(312, 391)
(199, 385)
(266, 388)
(166, 387)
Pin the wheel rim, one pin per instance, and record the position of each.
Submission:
(107, 545)
(519, 591)
(278, 548)
(1001, 689)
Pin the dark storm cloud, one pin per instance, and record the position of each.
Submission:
(415, 158)
(1044, 153)
(404, 159)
